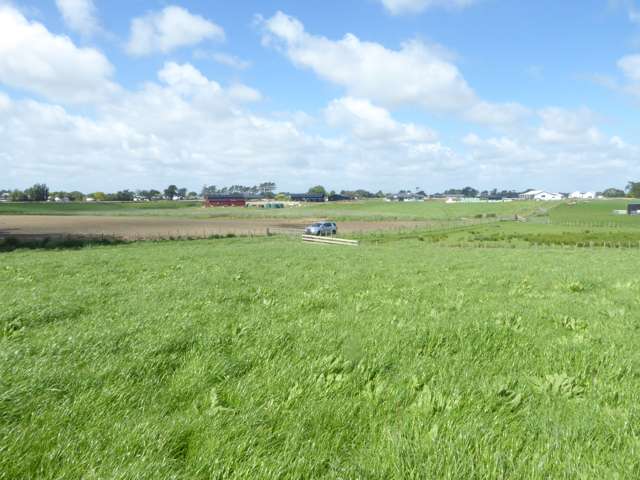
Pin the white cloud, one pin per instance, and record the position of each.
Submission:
(223, 59)
(188, 129)
(496, 114)
(417, 74)
(231, 61)
(79, 15)
(32, 58)
(569, 127)
(5, 101)
(369, 122)
(630, 66)
(169, 29)
(398, 7)
(564, 141)
(243, 93)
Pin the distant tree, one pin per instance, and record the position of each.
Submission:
(192, 195)
(182, 192)
(208, 190)
(469, 192)
(122, 196)
(318, 189)
(282, 197)
(613, 193)
(76, 196)
(380, 194)
(98, 196)
(267, 188)
(18, 196)
(633, 189)
(38, 193)
(170, 192)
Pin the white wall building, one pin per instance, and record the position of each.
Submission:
(583, 195)
(540, 195)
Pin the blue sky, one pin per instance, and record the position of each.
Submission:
(388, 94)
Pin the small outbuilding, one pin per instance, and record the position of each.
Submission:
(308, 197)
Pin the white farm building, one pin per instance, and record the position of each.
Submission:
(582, 195)
(540, 195)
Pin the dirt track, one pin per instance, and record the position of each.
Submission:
(133, 228)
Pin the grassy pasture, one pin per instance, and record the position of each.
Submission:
(373, 210)
(267, 358)
(96, 208)
(594, 213)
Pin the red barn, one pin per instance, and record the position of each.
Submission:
(224, 201)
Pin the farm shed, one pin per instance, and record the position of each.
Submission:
(307, 197)
(225, 200)
(339, 198)
(540, 195)
(633, 209)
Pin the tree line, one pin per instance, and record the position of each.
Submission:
(40, 192)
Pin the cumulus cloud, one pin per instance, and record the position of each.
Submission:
(564, 140)
(33, 59)
(79, 15)
(369, 122)
(398, 7)
(496, 113)
(185, 126)
(416, 74)
(568, 127)
(171, 28)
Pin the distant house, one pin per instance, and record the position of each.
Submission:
(406, 197)
(540, 195)
(582, 196)
(307, 197)
(61, 199)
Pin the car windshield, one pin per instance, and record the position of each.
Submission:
(316, 225)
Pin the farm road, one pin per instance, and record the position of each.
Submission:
(132, 228)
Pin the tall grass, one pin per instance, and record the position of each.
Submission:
(267, 358)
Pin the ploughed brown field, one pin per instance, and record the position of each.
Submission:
(133, 228)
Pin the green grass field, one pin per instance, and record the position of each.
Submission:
(594, 213)
(96, 208)
(362, 210)
(413, 356)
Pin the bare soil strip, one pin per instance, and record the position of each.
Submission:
(145, 228)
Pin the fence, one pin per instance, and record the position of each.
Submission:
(330, 240)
